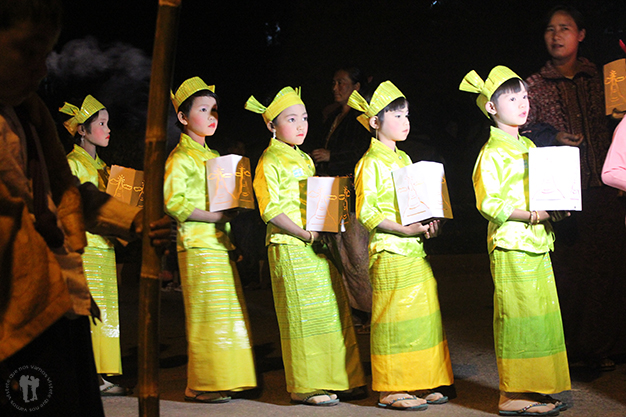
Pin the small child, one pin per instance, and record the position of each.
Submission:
(528, 331)
(318, 341)
(89, 125)
(408, 347)
(218, 335)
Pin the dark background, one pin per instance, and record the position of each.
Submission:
(255, 48)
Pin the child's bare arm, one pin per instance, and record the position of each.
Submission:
(540, 216)
(288, 225)
(429, 230)
(198, 215)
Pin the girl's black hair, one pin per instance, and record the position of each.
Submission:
(570, 10)
(397, 104)
(185, 106)
(514, 85)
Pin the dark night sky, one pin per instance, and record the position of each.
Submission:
(424, 47)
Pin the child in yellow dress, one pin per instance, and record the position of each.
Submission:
(528, 330)
(408, 346)
(218, 334)
(89, 124)
(318, 341)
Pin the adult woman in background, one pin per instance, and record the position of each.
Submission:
(567, 108)
(339, 148)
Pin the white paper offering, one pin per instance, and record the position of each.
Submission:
(422, 192)
(327, 203)
(554, 178)
(126, 184)
(615, 86)
(229, 182)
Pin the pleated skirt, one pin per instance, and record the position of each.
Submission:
(317, 336)
(527, 325)
(219, 351)
(101, 274)
(408, 345)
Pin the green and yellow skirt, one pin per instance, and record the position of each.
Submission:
(317, 336)
(408, 346)
(527, 326)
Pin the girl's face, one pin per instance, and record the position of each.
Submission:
(202, 118)
(395, 127)
(291, 125)
(510, 109)
(100, 132)
(343, 87)
(562, 36)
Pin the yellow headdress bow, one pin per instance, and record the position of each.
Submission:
(187, 88)
(472, 83)
(90, 107)
(384, 94)
(285, 98)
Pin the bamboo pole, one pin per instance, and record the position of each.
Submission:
(154, 162)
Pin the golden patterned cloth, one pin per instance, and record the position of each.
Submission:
(528, 330)
(501, 185)
(184, 189)
(216, 320)
(316, 332)
(408, 346)
(89, 108)
(99, 265)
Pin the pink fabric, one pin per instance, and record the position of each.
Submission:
(614, 169)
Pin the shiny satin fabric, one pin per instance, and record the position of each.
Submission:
(99, 265)
(408, 345)
(501, 185)
(376, 199)
(184, 189)
(528, 330)
(218, 332)
(95, 171)
(280, 187)
(317, 336)
(100, 271)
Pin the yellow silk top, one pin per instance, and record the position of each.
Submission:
(185, 189)
(280, 187)
(501, 185)
(376, 199)
(96, 172)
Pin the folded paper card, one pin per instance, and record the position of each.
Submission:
(327, 203)
(615, 86)
(229, 182)
(126, 184)
(554, 178)
(422, 192)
